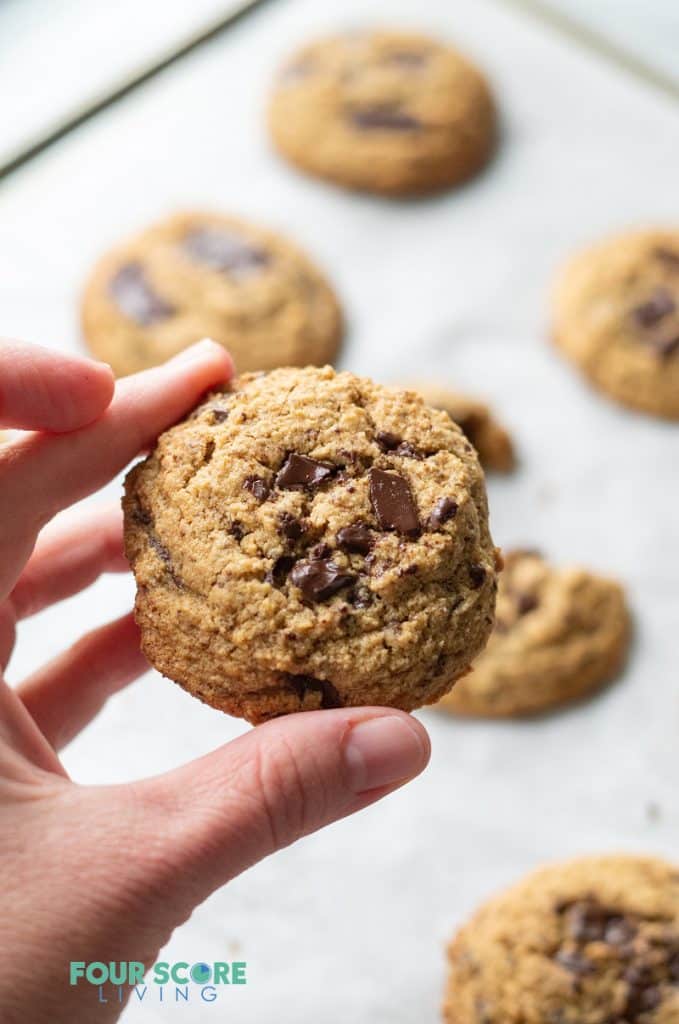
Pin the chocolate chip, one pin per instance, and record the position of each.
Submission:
(444, 509)
(526, 603)
(280, 570)
(301, 471)
(219, 414)
(660, 304)
(290, 526)
(477, 576)
(356, 538)
(319, 578)
(257, 486)
(393, 502)
(330, 698)
(224, 251)
(136, 298)
(574, 962)
(387, 118)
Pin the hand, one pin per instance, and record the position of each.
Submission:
(106, 873)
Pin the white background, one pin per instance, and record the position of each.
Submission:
(349, 925)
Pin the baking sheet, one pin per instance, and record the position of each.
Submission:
(349, 925)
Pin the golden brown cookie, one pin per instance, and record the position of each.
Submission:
(197, 275)
(616, 315)
(383, 111)
(308, 540)
(589, 941)
(559, 634)
(492, 442)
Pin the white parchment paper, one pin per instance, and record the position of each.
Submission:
(349, 925)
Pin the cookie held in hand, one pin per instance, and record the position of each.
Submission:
(311, 540)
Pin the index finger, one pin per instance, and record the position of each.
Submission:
(42, 474)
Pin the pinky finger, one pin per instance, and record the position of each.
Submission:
(65, 695)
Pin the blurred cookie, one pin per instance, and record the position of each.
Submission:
(383, 111)
(559, 634)
(308, 540)
(589, 941)
(197, 275)
(616, 314)
(476, 421)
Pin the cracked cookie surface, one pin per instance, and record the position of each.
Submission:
(559, 634)
(311, 539)
(197, 275)
(589, 941)
(383, 111)
(493, 444)
(616, 315)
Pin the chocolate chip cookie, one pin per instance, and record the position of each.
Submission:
(492, 442)
(590, 941)
(387, 112)
(198, 275)
(311, 540)
(559, 634)
(617, 316)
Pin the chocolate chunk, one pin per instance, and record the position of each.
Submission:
(619, 931)
(387, 118)
(219, 414)
(330, 698)
(673, 967)
(291, 527)
(477, 576)
(136, 298)
(409, 451)
(393, 503)
(444, 509)
(668, 256)
(387, 441)
(408, 58)
(660, 304)
(301, 471)
(574, 962)
(356, 538)
(257, 486)
(319, 579)
(280, 570)
(237, 530)
(666, 347)
(224, 251)
(526, 603)
(588, 920)
(166, 558)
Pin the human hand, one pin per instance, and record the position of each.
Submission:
(107, 873)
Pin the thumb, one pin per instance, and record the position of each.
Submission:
(283, 780)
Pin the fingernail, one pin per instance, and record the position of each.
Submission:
(383, 751)
(194, 352)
